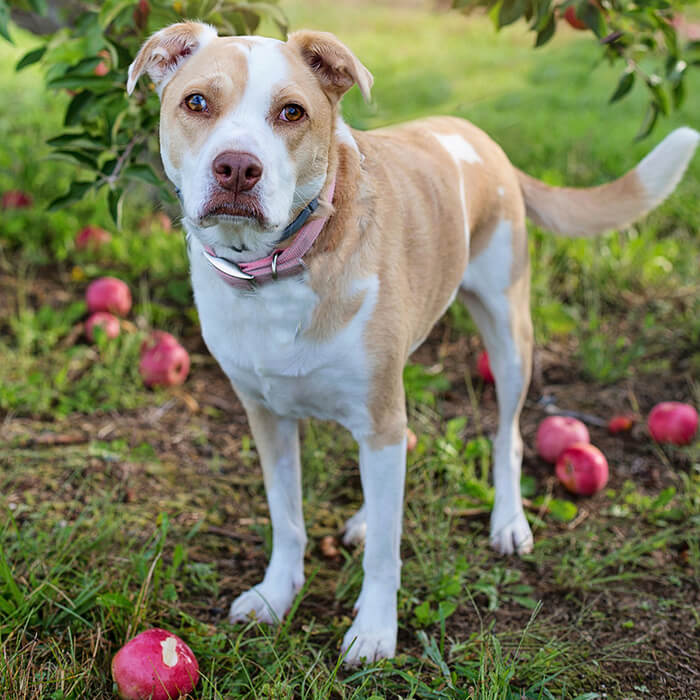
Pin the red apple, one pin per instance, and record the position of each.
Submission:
(16, 199)
(104, 319)
(91, 237)
(164, 361)
(621, 423)
(556, 433)
(674, 422)
(108, 294)
(484, 368)
(572, 18)
(155, 665)
(582, 468)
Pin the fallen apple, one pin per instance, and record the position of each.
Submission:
(483, 367)
(673, 422)
(556, 433)
(155, 665)
(582, 468)
(108, 294)
(16, 199)
(164, 362)
(91, 237)
(105, 320)
(621, 423)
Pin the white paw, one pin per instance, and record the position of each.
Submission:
(510, 531)
(372, 636)
(355, 529)
(264, 603)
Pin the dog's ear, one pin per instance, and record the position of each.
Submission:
(165, 51)
(336, 67)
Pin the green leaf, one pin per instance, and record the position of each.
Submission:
(30, 58)
(649, 121)
(75, 192)
(77, 105)
(4, 21)
(528, 486)
(39, 6)
(594, 18)
(624, 86)
(547, 32)
(562, 510)
(79, 140)
(510, 11)
(142, 171)
(75, 157)
(115, 202)
(109, 11)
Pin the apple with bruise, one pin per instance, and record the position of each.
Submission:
(556, 433)
(582, 469)
(483, 367)
(155, 665)
(107, 321)
(164, 362)
(673, 422)
(91, 237)
(108, 294)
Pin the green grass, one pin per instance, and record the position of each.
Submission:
(153, 512)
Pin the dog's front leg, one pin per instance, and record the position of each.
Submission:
(277, 441)
(372, 635)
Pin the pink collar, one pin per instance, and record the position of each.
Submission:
(281, 263)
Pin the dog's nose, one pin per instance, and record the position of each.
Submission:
(237, 171)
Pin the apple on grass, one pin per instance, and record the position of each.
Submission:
(155, 665)
(105, 320)
(164, 362)
(16, 199)
(621, 423)
(673, 422)
(582, 468)
(108, 294)
(556, 433)
(483, 367)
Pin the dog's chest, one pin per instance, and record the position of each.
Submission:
(260, 340)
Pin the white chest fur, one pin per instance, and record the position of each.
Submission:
(259, 338)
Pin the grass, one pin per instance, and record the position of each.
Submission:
(123, 508)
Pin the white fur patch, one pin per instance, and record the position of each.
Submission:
(458, 147)
(489, 272)
(344, 135)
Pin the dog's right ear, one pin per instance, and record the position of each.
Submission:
(165, 51)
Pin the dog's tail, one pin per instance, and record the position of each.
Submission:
(588, 211)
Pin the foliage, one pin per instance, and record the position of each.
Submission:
(109, 137)
(640, 34)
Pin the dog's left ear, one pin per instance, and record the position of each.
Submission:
(336, 67)
(166, 50)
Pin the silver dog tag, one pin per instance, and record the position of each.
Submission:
(227, 267)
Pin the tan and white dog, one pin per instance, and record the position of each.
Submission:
(409, 216)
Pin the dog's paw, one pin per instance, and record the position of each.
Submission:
(355, 529)
(264, 603)
(372, 636)
(510, 531)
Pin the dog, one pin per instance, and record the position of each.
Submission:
(322, 256)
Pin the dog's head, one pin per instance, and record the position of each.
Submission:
(246, 125)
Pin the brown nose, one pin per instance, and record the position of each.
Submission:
(237, 171)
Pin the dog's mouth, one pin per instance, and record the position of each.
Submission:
(242, 207)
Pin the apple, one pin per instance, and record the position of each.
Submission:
(484, 368)
(16, 199)
(108, 294)
(621, 423)
(674, 422)
(411, 440)
(91, 237)
(106, 320)
(102, 68)
(164, 361)
(155, 665)
(556, 433)
(582, 468)
(573, 19)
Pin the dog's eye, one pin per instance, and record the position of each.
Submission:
(196, 103)
(292, 113)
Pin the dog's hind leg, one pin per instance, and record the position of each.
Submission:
(496, 291)
(277, 442)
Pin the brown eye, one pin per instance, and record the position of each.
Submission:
(292, 113)
(196, 103)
